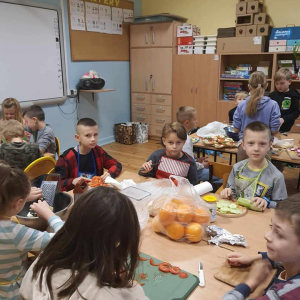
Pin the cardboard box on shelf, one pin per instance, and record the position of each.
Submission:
(277, 48)
(244, 20)
(263, 30)
(185, 49)
(285, 33)
(199, 50)
(254, 7)
(251, 30)
(185, 30)
(261, 18)
(241, 8)
(187, 40)
(241, 45)
(241, 31)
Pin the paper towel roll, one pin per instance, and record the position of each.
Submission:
(203, 188)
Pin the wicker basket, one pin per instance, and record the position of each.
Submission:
(125, 134)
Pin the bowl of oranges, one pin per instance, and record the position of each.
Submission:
(182, 219)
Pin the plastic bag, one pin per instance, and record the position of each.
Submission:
(184, 214)
(213, 128)
(286, 143)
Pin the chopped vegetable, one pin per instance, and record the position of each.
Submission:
(152, 263)
(143, 276)
(183, 275)
(143, 259)
(175, 270)
(97, 181)
(247, 203)
(165, 267)
(225, 207)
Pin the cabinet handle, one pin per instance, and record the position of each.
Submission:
(140, 97)
(141, 118)
(191, 89)
(160, 109)
(140, 108)
(153, 84)
(153, 37)
(146, 38)
(160, 99)
(196, 90)
(160, 120)
(146, 85)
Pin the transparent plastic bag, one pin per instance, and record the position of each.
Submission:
(183, 216)
(212, 129)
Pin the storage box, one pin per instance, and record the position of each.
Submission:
(186, 30)
(251, 30)
(261, 18)
(241, 8)
(277, 48)
(241, 31)
(226, 32)
(244, 20)
(210, 50)
(292, 42)
(254, 7)
(263, 69)
(187, 40)
(263, 30)
(199, 50)
(241, 45)
(186, 49)
(125, 134)
(278, 43)
(285, 33)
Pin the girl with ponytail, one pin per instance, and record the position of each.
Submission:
(257, 107)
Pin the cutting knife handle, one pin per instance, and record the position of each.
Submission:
(201, 278)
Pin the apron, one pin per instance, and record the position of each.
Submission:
(246, 187)
(86, 174)
(170, 166)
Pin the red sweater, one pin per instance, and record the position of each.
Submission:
(67, 166)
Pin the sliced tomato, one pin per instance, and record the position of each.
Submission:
(141, 284)
(165, 267)
(143, 259)
(152, 263)
(183, 275)
(175, 270)
(143, 276)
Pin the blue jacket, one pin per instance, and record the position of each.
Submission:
(268, 112)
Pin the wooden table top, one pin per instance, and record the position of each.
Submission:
(253, 226)
(284, 157)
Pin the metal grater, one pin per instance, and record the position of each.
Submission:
(49, 190)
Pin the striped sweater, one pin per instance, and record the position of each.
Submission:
(15, 242)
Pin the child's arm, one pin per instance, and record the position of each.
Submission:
(113, 167)
(147, 166)
(237, 120)
(63, 168)
(45, 140)
(231, 185)
(275, 119)
(28, 239)
(192, 174)
(237, 259)
(279, 191)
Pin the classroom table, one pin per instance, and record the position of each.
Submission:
(253, 226)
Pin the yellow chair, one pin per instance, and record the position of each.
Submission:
(57, 146)
(40, 167)
(221, 171)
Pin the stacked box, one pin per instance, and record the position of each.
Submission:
(230, 89)
(185, 35)
(205, 44)
(241, 71)
(284, 39)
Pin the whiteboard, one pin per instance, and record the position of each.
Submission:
(31, 53)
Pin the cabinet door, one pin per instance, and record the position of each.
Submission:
(140, 70)
(161, 70)
(140, 35)
(183, 82)
(161, 34)
(206, 88)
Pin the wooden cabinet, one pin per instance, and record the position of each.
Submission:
(153, 47)
(195, 83)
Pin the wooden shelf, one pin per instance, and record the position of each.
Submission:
(243, 79)
(96, 91)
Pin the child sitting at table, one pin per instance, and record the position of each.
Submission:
(95, 254)
(239, 97)
(257, 107)
(87, 159)
(283, 253)
(11, 110)
(256, 178)
(287, 99)
(16, 239)
(15, 151)
(172, 160)
(43, 134)
(187, 116)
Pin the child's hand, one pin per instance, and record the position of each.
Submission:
(258, 273)
(259, 202)
(226, 193)
(147, 167)
(281, 121)
(75, 180)
(35, 193)
(236, 259)
(42, 209)
(204, 161)
(105, 175)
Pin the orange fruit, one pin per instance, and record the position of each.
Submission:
(175, 231)
(177, 201)
(156, 225)
(185, 213)
(194, 232)
(201, 215)
(167, 214)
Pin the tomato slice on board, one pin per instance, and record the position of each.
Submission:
(165, 267)
(141, 284)
(183, 275)
(143, 259)
(152, 263)
(175, 270)
(143, 276)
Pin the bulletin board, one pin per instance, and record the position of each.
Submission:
(97, 46)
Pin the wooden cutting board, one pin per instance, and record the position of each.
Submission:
(292, 154)
(234, 276)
